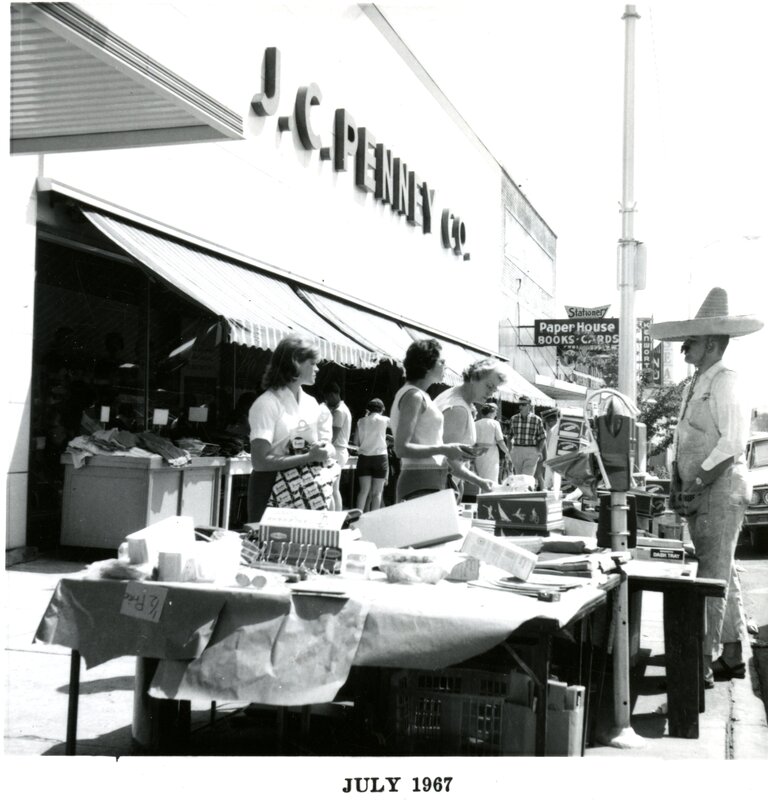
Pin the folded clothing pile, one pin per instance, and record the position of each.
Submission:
(197, 447)
(175, 456)
(125, 443)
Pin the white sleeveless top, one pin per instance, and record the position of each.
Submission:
(428, 430)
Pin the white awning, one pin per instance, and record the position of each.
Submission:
(75, 85)
(561, 390)
(259, 310)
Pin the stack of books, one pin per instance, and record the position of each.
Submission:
(586, 565)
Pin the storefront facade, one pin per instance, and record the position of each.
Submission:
(329, 161)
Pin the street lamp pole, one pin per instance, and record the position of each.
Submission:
(630, 257)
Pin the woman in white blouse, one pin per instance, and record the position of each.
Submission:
(417, 425)
(289, 428)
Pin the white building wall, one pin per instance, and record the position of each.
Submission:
(269, 198)
(266, 196)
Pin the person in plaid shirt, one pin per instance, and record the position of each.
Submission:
(528, 439)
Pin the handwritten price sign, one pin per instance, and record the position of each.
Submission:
(144, 601)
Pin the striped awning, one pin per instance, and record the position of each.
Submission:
(258, 309)
(371, 330)
(458, 357)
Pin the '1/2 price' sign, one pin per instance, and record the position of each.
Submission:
(144, 601)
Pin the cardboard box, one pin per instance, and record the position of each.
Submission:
(531, 512)
(499, 552)
(303, 526)
(427, 520)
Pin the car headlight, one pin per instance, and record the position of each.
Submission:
(756, 498)
(765, 496)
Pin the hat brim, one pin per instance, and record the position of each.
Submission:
(680, 330)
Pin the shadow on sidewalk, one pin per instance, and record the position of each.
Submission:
(122, 683)
(649, 725)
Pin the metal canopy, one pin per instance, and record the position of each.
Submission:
(75, 85)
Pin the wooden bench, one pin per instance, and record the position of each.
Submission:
(684, 616)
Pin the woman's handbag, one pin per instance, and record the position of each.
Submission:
(308, 486)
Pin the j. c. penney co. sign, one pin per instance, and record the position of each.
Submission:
(376, 170)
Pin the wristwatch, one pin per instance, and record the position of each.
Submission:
(698, 481)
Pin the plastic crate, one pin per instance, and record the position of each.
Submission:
(466, 712)
(475, 712)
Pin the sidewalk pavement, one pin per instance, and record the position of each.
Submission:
(733, 726)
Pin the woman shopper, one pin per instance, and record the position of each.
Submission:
(417, 425)
(489, 434)
(288, 427)
(481, 380)
(372, 458)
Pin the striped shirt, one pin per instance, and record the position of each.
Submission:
(527, 431)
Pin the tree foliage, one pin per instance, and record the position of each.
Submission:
(659, 413)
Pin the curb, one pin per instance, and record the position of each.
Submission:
(748, 721)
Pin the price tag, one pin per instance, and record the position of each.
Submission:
(104, 416)
(198, 414)
(160, 416)
(144, 601)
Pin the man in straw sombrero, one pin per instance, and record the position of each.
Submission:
(709, 481)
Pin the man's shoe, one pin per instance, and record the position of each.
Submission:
(725, 672)
(709, 682)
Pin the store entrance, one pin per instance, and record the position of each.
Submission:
(112, 346)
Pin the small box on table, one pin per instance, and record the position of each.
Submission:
(499, 552)
(299, 537)
(522, 512)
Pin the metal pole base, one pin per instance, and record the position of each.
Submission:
(622, 738)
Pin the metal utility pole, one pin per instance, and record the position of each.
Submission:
(622, 735)
(631, 267)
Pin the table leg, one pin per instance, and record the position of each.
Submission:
(542, 658)
(585, 673)
(700, 650)
(224, 522)
(682, 658)
(74, 698)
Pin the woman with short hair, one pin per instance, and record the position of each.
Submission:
(288, 427)
(482, 379)
(417, 425)
(372, 458)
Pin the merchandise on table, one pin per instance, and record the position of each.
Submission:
(499, 552)
(534, 512)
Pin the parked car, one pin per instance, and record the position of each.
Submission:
(756, 516)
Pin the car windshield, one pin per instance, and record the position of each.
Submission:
(760, 454)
